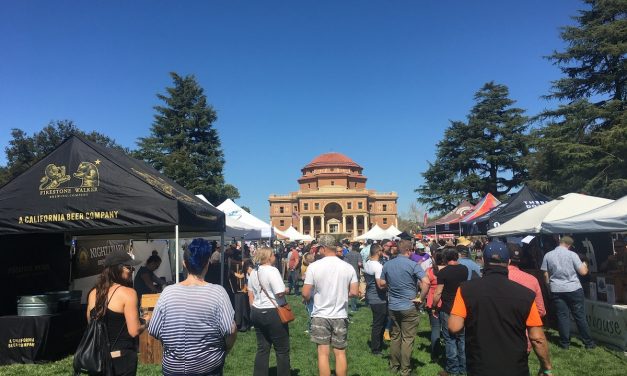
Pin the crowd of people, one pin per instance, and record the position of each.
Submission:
(485, 313)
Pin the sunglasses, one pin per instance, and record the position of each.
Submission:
(130, 268)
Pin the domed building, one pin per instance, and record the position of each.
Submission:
(333, 199)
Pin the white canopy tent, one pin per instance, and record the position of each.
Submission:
(236, 228)
(392, 231)
(280, 233)
(608, 218)
(293, 234)
(231, 209)
(375, 233)
(531, 221)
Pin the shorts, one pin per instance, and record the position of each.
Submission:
(332, 332)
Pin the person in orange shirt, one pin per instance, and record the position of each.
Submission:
(497, 313)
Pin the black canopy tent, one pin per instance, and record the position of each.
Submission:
(84, 189)
(521, 201)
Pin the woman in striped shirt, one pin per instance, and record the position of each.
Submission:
(194, 320)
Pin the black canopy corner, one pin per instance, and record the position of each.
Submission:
(85, 188)
(519, 202)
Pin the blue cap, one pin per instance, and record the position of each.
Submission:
(496, 251)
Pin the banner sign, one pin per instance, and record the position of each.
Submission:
(608, 323)
(90, 255)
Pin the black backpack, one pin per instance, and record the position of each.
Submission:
(93, 355)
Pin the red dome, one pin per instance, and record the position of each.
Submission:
(332, 159)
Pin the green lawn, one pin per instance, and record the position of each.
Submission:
(575, 361)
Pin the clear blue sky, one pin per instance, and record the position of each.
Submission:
(375, 80)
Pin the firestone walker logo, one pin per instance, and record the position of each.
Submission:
(54, 183)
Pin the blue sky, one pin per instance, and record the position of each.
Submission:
(375, 80)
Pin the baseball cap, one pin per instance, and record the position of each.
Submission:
(327, 241)
(515, 252)
(567, 240)
(496, 251)
(120, 257)
(420, 246)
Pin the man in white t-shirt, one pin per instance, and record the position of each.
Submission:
(330, 282)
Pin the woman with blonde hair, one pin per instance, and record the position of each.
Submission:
(266, 290)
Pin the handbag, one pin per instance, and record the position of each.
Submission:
(93, 355)
(285, 311)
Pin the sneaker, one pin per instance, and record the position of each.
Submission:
(306, 331)
(377, 353)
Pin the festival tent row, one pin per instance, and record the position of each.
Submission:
(465, 212)
(521, 201)
(292, 234)
(82, 191)
(377, 233)
(531, 221)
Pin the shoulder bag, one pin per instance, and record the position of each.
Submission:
(285, 311)
(93, 355)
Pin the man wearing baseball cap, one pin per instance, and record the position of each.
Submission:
(561, 267)
(497, 313)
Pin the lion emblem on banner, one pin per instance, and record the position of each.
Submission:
(54, 177)
(88, 173)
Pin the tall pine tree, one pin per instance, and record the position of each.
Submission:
(183, 143)
(483, 155)
(582, 146)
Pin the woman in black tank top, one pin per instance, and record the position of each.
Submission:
(123, 324)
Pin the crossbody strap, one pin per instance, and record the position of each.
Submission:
(264, 290)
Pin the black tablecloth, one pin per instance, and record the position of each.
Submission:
(31, 339)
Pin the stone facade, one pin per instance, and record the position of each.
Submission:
(333, 198)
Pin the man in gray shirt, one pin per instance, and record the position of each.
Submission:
(560, 268)
(354, 259)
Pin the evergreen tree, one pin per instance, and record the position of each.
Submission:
(483, 155)
(582, 147)
(24, 150)
(183, 143)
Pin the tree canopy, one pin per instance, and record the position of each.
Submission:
(484, 154)
(582, 145)
(184, 145)
(24, 150)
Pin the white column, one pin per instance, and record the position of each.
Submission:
(322, 229)
(300, 226)
(343, 223)
(311, 226)
(366, 223)
(354, 225)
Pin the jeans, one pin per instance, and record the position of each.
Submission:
(309, 308)
(271, 331)
(379, 318)
(353, 303)
(404, 329)
(454, 347)
(293, 280)
(435, 347)
(571, 302)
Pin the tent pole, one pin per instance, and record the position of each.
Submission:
(176, 247)
(222, 259)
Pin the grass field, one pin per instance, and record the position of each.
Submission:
(576, 361)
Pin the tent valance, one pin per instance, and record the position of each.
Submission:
(608, 218)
